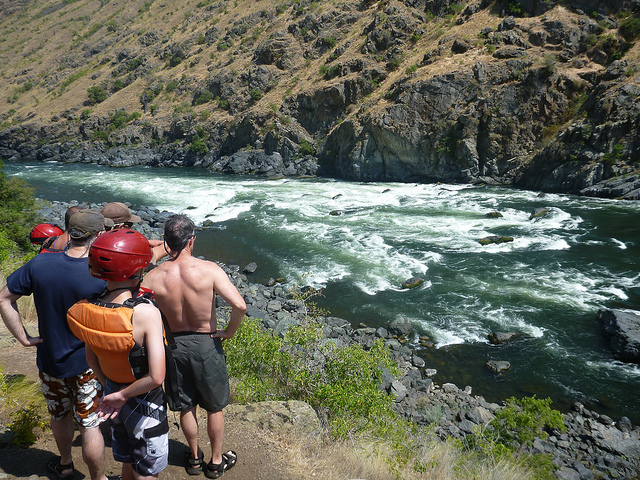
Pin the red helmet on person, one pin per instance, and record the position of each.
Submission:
(118, 254)
(43, 231)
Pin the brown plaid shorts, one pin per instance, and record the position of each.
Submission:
(79, 393)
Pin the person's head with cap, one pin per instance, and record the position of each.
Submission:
(120, 214)
(85, 225)
(69, 213)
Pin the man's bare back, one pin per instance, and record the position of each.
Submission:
(185, 289)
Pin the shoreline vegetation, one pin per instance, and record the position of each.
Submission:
(368, 388)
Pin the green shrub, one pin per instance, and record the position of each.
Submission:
(630, 29)
(112, 26)
(120, 118)
(118, 84)
(340, 383)
(198, 146)
(550, 64)
(615, 154)
(223, 104)
(514, 8)
(172, 85)
(523, 420)
(394, 63)
(24, 422)
(256, 94)
(203, 97)
(15, 393)
(306, 148)
(96, 95)
(17, 213)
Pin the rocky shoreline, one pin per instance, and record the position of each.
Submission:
(258, 162)
(594, 445)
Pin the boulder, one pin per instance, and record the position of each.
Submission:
(622, 328)
(250, 267)
(401, 326)
(412, 282)
(538, 212)
(280, 417)
(498, 366)
(498, 338)
(495, 239)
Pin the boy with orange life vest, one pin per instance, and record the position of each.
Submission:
(125, 347)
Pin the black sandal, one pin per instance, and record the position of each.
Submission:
(55, 467)
(229, 459)
(194, 465)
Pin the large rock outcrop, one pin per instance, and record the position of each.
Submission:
(622, 328)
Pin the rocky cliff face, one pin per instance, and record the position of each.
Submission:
(526, 93)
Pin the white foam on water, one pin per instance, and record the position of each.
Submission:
(630, 370)
(443, 336)
(507, 319)
(619, 244)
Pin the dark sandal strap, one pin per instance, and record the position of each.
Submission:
(54, 466)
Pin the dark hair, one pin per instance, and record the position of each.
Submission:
(82, 242)
(70, 212)
(178, 229)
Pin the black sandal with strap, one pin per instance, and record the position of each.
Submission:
(55, 467)
(194, 465)
(229, 459)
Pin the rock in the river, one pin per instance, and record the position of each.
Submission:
(622, 327)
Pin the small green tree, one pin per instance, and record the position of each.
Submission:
(17, 212)
(630, 29)
(96, 94)
(202, 97)
(340, 383)
(522, 420)
(306, 148)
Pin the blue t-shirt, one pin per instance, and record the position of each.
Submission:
(57, 281)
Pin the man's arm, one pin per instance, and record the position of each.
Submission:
(147, 332)
(92, 360)
(159, 252)
(11, 318)
(229, 293)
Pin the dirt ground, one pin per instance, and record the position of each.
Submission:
(260, 455)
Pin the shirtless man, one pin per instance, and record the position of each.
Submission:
(185, 289)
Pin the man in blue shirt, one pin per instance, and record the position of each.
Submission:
(71, 389)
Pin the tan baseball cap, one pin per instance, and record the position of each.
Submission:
(119, 213)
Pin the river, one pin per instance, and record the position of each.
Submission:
(582, 255)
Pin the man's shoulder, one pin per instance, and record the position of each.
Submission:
(146, 311)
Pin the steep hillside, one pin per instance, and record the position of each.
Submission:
(542, 94)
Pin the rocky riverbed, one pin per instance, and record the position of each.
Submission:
(594, 445)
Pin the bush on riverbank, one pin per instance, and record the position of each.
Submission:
(342, 385)
(17, 218)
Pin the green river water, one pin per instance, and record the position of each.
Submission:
(549, 283)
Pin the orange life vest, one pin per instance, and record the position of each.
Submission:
(107, 328)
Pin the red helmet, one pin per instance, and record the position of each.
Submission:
(118, 254)
(43, 231)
